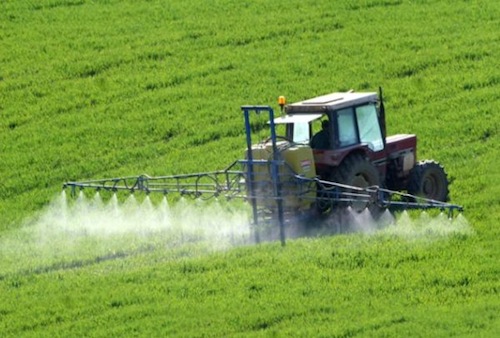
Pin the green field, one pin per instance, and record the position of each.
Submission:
(104, 88)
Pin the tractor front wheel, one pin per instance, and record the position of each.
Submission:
(428, 179)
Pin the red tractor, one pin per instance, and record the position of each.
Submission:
(351, 146)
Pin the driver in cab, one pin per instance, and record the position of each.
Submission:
(321, 140)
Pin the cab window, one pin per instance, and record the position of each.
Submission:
(369, 127)
(301, 132)
(347, 128)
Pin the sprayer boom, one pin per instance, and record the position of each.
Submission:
(234, 183)
(204, 185)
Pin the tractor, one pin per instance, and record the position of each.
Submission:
(357, 151)
(323, 155)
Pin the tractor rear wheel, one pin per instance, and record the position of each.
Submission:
(357, 171)
(428, 179)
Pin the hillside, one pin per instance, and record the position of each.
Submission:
(92, 89)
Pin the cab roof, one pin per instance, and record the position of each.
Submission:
(330, 102)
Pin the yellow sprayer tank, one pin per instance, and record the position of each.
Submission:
(299, 160)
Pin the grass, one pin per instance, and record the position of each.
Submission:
(92, 89)
(313, 288)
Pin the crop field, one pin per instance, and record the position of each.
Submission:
(106, 88)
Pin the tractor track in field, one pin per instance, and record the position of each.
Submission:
(62, 266)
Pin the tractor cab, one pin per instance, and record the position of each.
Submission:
(353, 119)
(349, 120)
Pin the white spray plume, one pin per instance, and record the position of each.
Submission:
(93, 229)
(427, 227)
(86, 229)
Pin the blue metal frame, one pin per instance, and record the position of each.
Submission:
(274, 167)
